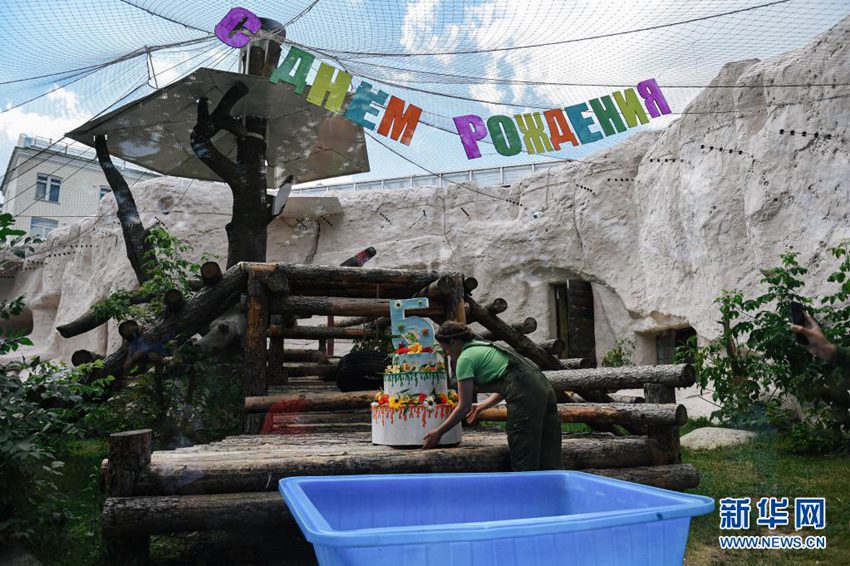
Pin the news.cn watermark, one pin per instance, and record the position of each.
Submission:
(773, 512)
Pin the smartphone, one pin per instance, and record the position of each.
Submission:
(796, 311)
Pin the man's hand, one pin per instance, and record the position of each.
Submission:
(472, 415)
(818, 344)
(432, 439)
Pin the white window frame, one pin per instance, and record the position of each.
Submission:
(39, 231)
(48, 181)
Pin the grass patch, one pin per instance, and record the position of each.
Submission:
(763, 468)
(75, 541)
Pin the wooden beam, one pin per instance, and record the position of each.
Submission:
(344, 306)
(470, 284)
(303, 402)
(578, 363)
(322, 332)
(153, 515)
(277, 355)
(255, 380)
(210, 273)
(678, 477)
(496, 306)
(631, 377)
(250, 470)
(607, 413)
(84, 357)
(90, 320)
(326, 280)
(527, 326)
(500, 330)
(553, 347)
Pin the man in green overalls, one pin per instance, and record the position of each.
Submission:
(533, 426)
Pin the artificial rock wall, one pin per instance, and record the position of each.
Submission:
(660, 224)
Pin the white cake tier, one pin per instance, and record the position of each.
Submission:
(415, 382)
(414, 362)
(407, 426)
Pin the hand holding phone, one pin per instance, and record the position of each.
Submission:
(796, 311)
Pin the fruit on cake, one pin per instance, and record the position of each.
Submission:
(415, 398)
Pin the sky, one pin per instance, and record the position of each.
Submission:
(451, 58)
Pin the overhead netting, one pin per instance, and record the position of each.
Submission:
(69, 61)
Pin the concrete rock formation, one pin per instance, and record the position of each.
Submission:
(711, 437)
(659, 224)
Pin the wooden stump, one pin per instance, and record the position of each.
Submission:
(665, 449)
(129, 454)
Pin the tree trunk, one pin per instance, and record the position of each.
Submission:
(131, 225)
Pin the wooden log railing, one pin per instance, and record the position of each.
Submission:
(245, 512)
(632, 377)
(608, 413)
(343, 306)
(578, 363)
(325, 280)
(322, 332)
(527, 326)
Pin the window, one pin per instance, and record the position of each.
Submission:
(104, 190)
(41, 227)
(47, 188)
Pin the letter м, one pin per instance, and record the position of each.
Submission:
(403, 122)
(361, 104)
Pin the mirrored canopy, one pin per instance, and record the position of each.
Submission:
(304, 140)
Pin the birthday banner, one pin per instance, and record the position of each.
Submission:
(534, 132)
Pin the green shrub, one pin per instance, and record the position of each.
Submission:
(620, 355)
(755, 364)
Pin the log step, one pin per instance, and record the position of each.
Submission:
(246, 512)
(257, 467)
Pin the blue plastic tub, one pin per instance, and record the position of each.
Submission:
(530, 518)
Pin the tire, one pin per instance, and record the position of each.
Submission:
(361, 371)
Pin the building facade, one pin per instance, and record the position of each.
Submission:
(50, 184)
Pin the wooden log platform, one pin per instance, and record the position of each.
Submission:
(251, 463)
(245, 512)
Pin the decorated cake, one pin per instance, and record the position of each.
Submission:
(415, 398)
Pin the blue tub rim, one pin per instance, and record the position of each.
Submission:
(317, 531)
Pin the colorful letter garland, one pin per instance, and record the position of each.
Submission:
(509, 136)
